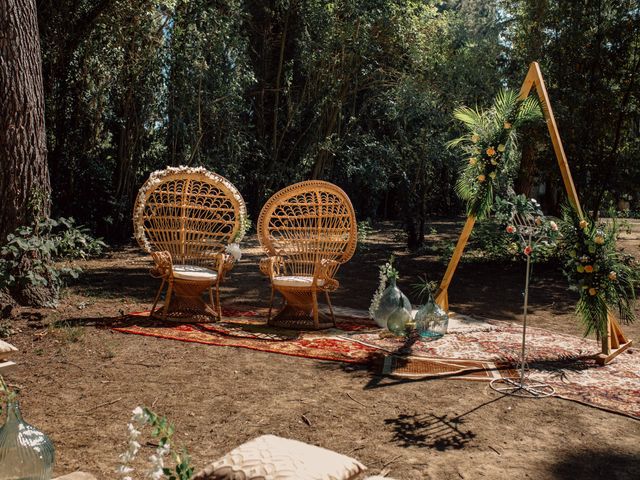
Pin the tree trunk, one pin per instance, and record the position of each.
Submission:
(24, 177)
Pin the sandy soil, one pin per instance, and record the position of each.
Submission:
(80, 380)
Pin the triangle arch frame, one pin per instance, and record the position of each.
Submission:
(615, 341)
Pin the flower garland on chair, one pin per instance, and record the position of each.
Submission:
(491, 157)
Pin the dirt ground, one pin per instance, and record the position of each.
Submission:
(79, 380)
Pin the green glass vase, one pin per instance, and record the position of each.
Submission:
(25, 452)
(389, 302)
(399, 318)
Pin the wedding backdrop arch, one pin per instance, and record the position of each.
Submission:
(614, 342)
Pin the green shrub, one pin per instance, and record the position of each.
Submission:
(27, 258)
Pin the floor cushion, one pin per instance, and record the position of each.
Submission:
(274, 458)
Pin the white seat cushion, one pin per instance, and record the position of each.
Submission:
(274, 458)
(295, 281)
(195, 273)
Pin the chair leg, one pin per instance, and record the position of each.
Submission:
(316, 321)
(155, 302)
(270, 304)
(219, 307)
(333, 317)
(167, 299)
(213, 304)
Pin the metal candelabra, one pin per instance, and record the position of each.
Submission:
(531, 233)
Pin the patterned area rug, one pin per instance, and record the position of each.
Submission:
(473, 350)
(248, 329)
(563, 361)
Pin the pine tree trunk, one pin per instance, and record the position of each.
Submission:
(24, 176)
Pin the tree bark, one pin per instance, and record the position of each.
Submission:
(24, 177)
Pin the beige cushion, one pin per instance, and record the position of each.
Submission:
(274, 458)
(193, 272)
(6, 347)
(295, 281)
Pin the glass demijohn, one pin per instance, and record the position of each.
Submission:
(431, 321)
(389, 302)
(25, 452)
(397, 321)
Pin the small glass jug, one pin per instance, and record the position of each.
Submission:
(431, 321)
(25, 452)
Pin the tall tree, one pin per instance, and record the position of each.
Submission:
(24, 177)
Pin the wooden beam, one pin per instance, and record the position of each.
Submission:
(534, 79)
(442, 295)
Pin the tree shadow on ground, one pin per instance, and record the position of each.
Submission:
(589, 464)
(441, 432)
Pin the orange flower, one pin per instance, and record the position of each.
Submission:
(475, 138)
(481, 178)
(588, 268)
(491, 151)
(507, 125)
(592, 291)
(613, 275)
(583, 224)
(599, 240)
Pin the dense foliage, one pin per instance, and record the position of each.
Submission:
(489, 147)
(358, 92)
(603, 276)
(32, 261)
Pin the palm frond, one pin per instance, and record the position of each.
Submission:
(470, 117)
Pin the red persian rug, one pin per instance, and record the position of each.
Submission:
(472, 350)
(248, 329)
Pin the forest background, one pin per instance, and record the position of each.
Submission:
(357, 92)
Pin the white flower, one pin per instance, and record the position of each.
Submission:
(139, 415)
(133, 433)
(553, 225)
(156, 474)
(123, 469)
(233, 249)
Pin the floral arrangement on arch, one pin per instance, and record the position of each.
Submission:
(489, 147)
(604, 277)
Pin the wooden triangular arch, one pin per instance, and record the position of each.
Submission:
(615, 342)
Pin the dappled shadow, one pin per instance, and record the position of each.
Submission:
(442, 432)
(432, 431)
(589, 464)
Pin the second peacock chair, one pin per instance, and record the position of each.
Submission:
(307, 231)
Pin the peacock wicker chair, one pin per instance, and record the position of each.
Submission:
(186, 218)
(307, 230)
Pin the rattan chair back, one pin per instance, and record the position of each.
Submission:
(306, 223)
(190, 212)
